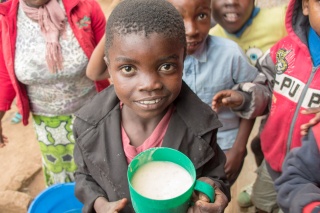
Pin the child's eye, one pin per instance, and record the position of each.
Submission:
(127, 69)
(167, 68)
(202, 16)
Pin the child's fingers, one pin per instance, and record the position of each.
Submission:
(204, 197)
(305, 127)
(311, 111)
(206, 207)
(120, 204)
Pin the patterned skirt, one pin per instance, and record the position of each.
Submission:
(56, 141)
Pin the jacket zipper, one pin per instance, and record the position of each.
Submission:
(296, 113)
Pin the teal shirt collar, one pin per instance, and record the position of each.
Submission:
(314, 46)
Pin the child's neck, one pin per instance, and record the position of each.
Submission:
(138, 129)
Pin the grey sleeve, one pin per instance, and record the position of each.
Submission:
(258, 93)
(87, 189)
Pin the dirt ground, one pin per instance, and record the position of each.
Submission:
(21, 162)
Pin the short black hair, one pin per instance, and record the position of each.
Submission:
(146, 16)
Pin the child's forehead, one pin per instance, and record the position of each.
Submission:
(239, 1)
(134, 36)
(130, 42)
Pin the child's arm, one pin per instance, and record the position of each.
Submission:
(235, 156)
(87, 190)
(229, 98)
(250, 99)
(213, 173)
(97, 68)
(298, 185)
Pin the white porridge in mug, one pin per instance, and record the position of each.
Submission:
(160, 180)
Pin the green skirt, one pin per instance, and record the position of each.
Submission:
(56, 141)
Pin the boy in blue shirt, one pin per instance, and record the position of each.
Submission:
(213, 64)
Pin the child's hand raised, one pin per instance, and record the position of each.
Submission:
(313, 121)
(101, 205)
(228, 98)
(202, 203)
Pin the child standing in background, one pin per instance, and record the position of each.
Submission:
(292, 67)
(298, 186)
(147, 106)
(213, 64)
(255, 30)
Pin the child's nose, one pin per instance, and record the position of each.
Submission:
(191, 27)
(150, 82)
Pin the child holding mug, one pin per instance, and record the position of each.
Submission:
(147, 106)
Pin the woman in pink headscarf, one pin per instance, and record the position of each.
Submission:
(45, 46)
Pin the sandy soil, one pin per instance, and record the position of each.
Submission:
(21, 158)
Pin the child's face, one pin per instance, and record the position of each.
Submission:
(232, 14)
(196, 16)
(311, 8)
(146, 72)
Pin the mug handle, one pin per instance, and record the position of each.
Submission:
(205, 188)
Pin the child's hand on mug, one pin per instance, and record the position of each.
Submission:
(102, 205)
(202, 203)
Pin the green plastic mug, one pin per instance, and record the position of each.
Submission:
(179, 204)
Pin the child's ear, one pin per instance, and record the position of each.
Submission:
(107, 73)
(305, 7)
(107, 69)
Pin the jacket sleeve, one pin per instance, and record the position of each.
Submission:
(7, 92)
(258, 93)
(87, 189)
(298, 185)
(214, 168)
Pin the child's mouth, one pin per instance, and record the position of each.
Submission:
(192, 47)
(231, 17)
(191, 44)
(150, 102)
